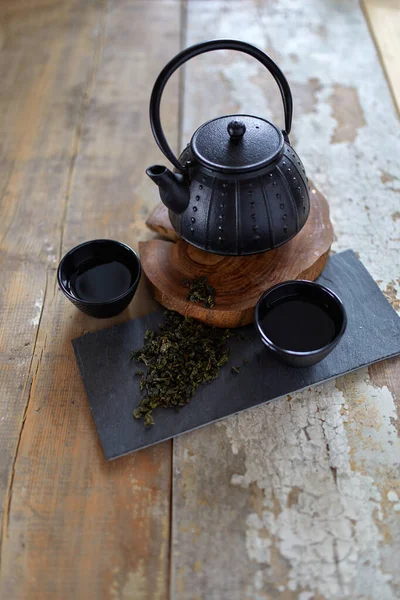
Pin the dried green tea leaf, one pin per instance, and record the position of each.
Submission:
(200, 291)
(235, 370)
(182, 355)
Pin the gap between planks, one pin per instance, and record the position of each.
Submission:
(183, 22)
(29, 381)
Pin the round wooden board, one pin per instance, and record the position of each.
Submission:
(239, 281)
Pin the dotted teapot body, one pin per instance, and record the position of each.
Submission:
(258, 212)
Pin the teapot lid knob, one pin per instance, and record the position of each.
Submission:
(236, 129)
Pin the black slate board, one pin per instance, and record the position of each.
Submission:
(373, 333)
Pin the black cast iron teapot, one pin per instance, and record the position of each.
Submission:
(238, 187)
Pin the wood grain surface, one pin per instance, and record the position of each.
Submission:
(238, 281)
(76, 79)
(295, 500)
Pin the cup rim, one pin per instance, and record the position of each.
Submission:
(302, 283)
(105, 302)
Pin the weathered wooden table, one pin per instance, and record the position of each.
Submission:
(296, 499)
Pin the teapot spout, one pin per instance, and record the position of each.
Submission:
(174, 191)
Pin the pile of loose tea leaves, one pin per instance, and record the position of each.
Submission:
(180, 356)
(200, 291)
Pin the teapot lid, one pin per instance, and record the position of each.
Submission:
(237, 143)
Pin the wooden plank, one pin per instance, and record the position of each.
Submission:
(297, 499)
(76, 526)
(383, 18)
(36, 101)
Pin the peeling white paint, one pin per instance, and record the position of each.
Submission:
(258, 548)
(329, 536)
(38, 309)
(370, 422)
(324, 460)
(348, 173)
(306, 596)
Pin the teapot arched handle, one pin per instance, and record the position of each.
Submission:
(201, 48)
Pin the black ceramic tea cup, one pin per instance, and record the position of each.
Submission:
(100, 277)
(300, 322)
